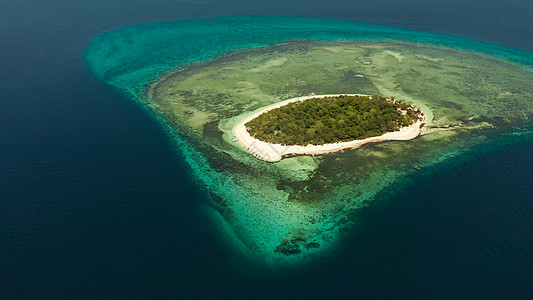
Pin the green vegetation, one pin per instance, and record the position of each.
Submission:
(327, 120)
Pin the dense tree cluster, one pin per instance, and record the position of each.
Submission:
(327, 120)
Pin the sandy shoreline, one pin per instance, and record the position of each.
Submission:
(275, 152)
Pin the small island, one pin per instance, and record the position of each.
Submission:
(327, 123)
(333, 119)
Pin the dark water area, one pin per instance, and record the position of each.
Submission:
(95, 201)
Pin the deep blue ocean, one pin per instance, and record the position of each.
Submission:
(97, 203)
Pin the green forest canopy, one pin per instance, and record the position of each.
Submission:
(327, 120)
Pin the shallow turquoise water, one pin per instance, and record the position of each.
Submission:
(132, 57)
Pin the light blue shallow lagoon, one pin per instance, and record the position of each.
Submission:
(298, 210)
(129, 58)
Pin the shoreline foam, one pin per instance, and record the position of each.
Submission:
(275, 152)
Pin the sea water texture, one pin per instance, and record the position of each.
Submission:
(201, 77)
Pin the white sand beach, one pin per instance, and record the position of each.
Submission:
(275, 152)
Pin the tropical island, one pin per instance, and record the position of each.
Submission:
(327, 123)
(279, 213)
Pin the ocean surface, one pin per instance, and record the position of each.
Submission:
(97, 202)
